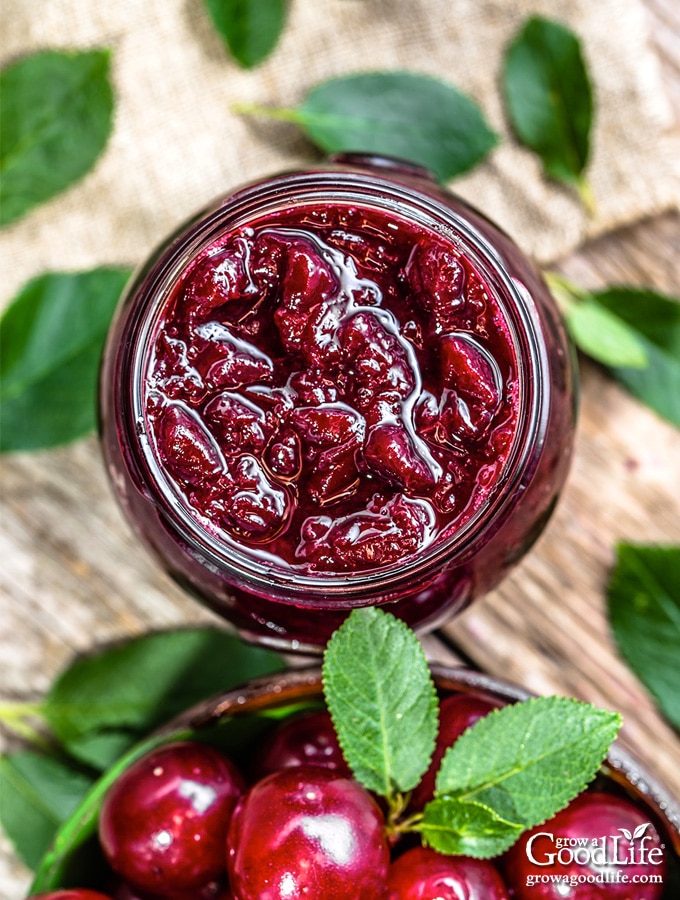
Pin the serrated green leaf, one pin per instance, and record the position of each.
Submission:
(57, 117)
(102, 704)
(549, 97)
(38, 794)
(643, 600)
(401, 114)
(542, 753)
(249, 28)
(382, 700)
(604, 336)
(51, 340)
(655, 319)
(453, 826)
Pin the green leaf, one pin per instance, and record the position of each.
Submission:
(38, 794)
(51, 339)
(103, 703)
(249, 28)
(57, 117)
(382, 700)
(603, 336)
(656, 320)
(453, 826)
(643, 599)
(400, 114)
(549, 97)
(529, 759)
(71, 854)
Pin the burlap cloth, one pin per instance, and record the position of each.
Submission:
(176, 142)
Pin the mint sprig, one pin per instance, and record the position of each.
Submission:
(513, 769)
(382, 700)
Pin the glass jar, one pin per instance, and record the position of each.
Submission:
(151, 432)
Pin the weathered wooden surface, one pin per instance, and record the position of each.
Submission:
(73, 575)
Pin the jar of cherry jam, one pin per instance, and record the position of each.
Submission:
(337, 388)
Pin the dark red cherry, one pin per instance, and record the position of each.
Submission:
(424, 874)
(391, 452)
(384, 533)
(164, 821)
(214, 890)
(457, 713)
(306, 832)
(595, 849)
(71, 894)
(185, 445)
(306, 739)
(437, 277)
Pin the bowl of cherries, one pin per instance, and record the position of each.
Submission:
(375, 777)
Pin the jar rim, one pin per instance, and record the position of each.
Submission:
(340, 186)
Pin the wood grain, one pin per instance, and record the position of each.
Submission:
(73, 575)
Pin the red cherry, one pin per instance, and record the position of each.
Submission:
(306, 832)
(424, 874)
(164, 821)
(437, 277)
(308, 286)
(212, 891)
(382, 534)
(185, 445)
(457, 713)
(577, 863)
(391, 452)
(379, 362)
(238, 424)
(308, 739)
(71, 894)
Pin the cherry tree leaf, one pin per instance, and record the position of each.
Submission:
(401, 114)
(250, 28)
(57, 118)
(382, 700)
(549, 97)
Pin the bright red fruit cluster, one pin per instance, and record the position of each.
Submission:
(181, 823)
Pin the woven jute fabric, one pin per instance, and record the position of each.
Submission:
(177, 143)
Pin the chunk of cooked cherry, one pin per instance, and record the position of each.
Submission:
(340, 392)
(182, 822)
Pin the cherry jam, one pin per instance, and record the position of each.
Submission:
(331, 390)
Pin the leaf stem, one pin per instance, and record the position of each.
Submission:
(397, 805)
(585, 192)
(565, 292)
(282, 114)
(11, 710)
(410, 824)
(13, 716)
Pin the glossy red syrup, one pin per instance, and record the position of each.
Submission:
(333, 388)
